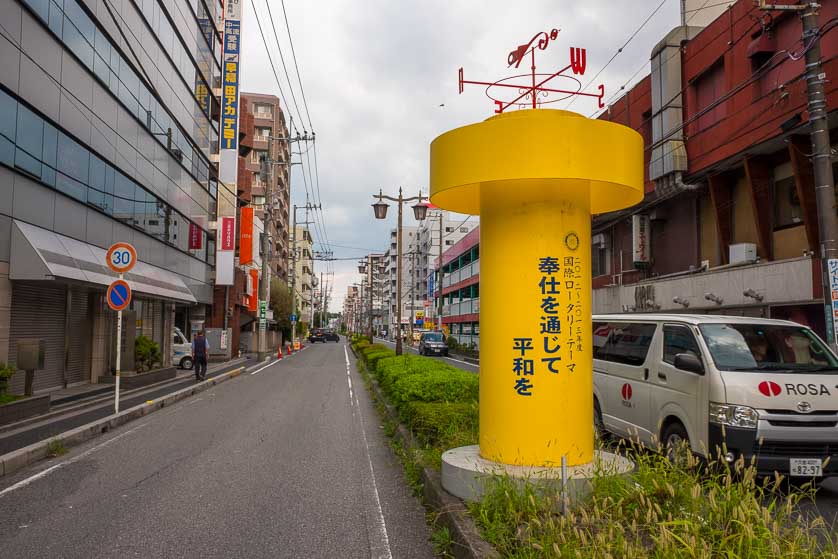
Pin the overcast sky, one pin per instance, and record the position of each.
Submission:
(375, 73)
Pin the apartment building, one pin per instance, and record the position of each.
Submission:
(106, 134)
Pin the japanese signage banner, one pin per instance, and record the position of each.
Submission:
(246, 240)
(640, 228)
(228, 142)
(231, 64)
(196, 237)
(832, 270)
(226, 250)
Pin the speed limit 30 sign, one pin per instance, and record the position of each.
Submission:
(121, 257)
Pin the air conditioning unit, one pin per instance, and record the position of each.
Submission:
(742, 253)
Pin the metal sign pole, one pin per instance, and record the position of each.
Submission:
(118, 357)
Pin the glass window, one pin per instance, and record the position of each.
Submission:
(30, 140)
(678, 339)
(78, 44)
(73, 159)
(124, 198)
(8, 115)
(787, 210)
(622, 342)
(96, 192)
(760, 347)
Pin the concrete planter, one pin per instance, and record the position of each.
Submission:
(131, 380)
(21, 409)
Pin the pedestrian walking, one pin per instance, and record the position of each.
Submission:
(200, 349)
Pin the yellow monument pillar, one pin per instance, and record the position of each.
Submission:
(535, 177)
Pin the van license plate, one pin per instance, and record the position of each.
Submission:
(805, 467)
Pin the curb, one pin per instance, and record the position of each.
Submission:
(87, 403)
(18, 459)
(450, 511)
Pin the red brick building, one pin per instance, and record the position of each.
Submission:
(729, 221)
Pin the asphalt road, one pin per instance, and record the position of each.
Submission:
(290, 461)
(459, 363)
(39, 431)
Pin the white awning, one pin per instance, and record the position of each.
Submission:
(39, 254)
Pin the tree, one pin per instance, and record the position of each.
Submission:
(281, 305)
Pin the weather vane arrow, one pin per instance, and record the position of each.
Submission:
(537, 92)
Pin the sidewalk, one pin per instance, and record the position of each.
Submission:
(80, 405)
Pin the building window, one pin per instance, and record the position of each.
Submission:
(262, 110)
(262, 132)
(709, 87)
(449, 243)
(599, 256)
(463, 229)
(257, 200)
(449, 229)
(787, 211)
(257, 155)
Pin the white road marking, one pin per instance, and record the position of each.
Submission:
(259, 370)
(385, 552)
(39, 475)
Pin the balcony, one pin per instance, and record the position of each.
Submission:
(463, 273)
(469, 306)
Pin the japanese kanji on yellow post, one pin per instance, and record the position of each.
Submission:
(535, 177)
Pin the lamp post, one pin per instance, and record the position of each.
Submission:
(419, 211)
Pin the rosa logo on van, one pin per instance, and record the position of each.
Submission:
(769, 388)
(626, 391)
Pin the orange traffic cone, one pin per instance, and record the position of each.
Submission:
(289, 349)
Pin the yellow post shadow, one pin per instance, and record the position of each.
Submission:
(535, 177)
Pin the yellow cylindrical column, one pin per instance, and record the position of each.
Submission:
(535, 177)
(535, 295)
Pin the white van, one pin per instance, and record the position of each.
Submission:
(181, 349)
(766, 388)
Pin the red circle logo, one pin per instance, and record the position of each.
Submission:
(769, 389)
(626, 391)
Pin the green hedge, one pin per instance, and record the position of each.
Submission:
(391, 368)
(435, 385)
(444, 424)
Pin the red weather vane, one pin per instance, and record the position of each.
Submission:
(537, 92)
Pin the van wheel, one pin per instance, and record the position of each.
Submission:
(599, 424)
(676, 443)
(186, 363)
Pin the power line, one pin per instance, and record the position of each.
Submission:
(271, 60)
(677, 51)
(619, 50)
(296, 67)
(282, 60)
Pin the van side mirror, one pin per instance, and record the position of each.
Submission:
(689, 362)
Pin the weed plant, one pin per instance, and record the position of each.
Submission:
(664, 509)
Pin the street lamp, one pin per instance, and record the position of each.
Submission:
(380, 209)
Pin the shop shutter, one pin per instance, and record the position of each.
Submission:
(78, 360)
(38, 312)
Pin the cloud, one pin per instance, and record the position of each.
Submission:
(376, 71)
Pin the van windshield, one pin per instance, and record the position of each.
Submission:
(760, 347)
(434, 337)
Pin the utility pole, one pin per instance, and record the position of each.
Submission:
(294, 266)
(267, 176)
(821, 164)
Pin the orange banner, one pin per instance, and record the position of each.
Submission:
(246, 238)
(253, 301)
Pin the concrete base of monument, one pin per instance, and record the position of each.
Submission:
(465, 473)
